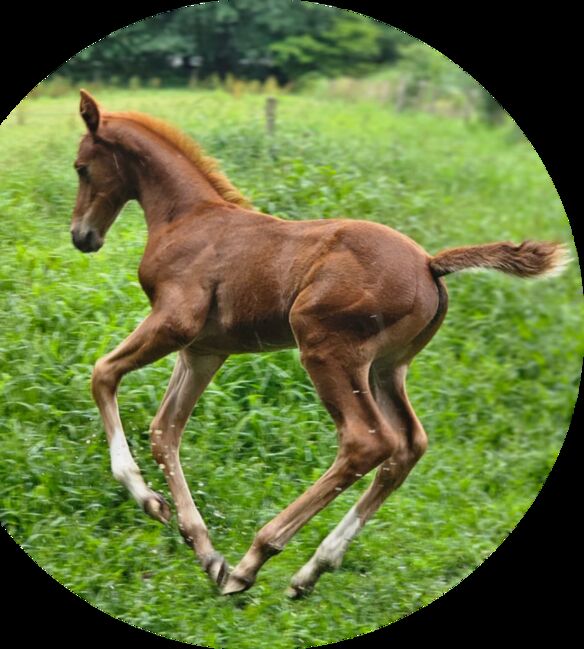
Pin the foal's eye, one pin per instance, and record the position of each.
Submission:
(82, 171)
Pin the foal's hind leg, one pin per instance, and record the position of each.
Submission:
(390, 394)
(365, 440)
(191, 376)
(387, 380)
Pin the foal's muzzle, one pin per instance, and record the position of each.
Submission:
(89, 241)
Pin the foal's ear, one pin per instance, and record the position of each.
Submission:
(89, 111)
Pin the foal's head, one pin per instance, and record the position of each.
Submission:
(104, 181)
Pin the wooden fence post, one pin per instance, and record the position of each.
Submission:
(271, 105)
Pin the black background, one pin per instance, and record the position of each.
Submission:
(530, 63)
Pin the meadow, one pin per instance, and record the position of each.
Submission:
(495, 388)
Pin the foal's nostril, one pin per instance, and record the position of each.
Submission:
(86, 241)
(81, 240)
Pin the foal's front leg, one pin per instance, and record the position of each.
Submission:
(191, 376)
(152, 340)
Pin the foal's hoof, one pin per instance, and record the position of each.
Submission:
(297, 592)
(304, 580)
(300, 588)
(157, 508)
(236, 585)
(217, 568)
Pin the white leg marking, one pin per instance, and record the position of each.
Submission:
(330, 552)
(332, 549)
(125, 469)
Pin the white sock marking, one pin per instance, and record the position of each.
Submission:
(335, 545)
(331, 551)
(125, 469)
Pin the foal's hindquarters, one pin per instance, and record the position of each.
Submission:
(358, 323)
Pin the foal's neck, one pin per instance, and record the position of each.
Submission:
(169, 185)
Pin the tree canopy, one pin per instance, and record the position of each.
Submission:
(251, 39)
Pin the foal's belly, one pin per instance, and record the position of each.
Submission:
(247, 337)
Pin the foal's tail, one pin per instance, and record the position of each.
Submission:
(528, 259)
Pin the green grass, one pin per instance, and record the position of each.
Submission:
(495, 388)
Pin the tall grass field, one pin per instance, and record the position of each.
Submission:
(495, 388)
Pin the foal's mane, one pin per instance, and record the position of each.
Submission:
(208, 166)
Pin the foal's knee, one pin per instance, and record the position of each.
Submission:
(103, 380)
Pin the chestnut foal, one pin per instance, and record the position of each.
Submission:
(359, 300)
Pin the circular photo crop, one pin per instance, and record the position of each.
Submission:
(247, 379)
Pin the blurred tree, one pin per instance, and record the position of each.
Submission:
(141, 49)
(249, 38)
(349, 44)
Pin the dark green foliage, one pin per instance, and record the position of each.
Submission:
(350, 44)
(248, 38)
(495, 388)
